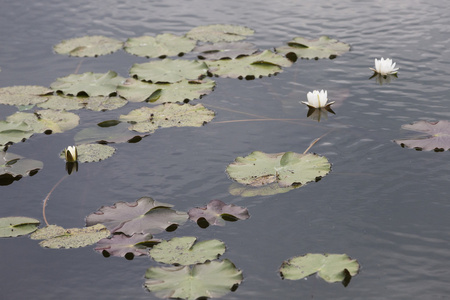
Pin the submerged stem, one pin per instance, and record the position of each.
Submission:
(315, 141)
(48, 196)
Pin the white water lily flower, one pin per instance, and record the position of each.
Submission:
(317, 99)
(71, 153)
(384, 66)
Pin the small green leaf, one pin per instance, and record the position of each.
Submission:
(14, 132)
(162, 45)
(16, 226)
(92, 152)
(88, 46)
(47, 120)
(323, 47)
(219, 33)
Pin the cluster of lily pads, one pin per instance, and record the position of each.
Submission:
(166, 86)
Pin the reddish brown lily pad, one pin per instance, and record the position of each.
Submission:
(437, 136)
(217, 212)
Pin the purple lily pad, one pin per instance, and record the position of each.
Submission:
(438, 138)
(217, 212)
(125, 246)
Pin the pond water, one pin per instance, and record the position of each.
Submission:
(384, 205)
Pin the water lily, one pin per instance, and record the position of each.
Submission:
(384, 66)
(71, 154)
(317, 99)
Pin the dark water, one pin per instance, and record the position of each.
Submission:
(386, 206)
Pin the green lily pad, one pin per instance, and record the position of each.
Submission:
(225, 50)
(323, 47)
(146, 119)
(145, 216)
(90, 84)
(13, 167)
(16, 226)
(162, 45)
(91, 46)
(217, 212)
(186, 251)
(437, 136)
(56, 237)
(138, 91)
(14, 132)
(219, 33)
(24, 95)
(261, 64)
(95, 103)
(274, 188)
(125, 246)
(47, 120)
(286, 168)
(330, 267)
(111, 134)
(209, 280)
(169, 70)
(92, 152)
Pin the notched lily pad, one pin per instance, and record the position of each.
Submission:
(57, 237)
(47, 120)
(186, 251)
(24, 95)
(253, 66)
(437, 139)
(162, 45)
(90, 84)
(323, 47)
(219, 33)
(330, 267)
(14, 132)
(146, 119)
(125, 246)
(225, 50)
(237, 189)
(217, 212)
(13, 167)
(17, 226)
(156, 93)
(111, 134)
(145, 216)
(209, 280)
(169, 70)
(286, 168)
(90, 46)
(95, 103)
(92, 152)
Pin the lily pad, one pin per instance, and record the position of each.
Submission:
(125, 246)
(261, 64)
(330, 267)
(286, 168)
(146, 119)
(56, 237)
(14, 132)
(162, 45)
(48, 120)
(95, 103)
(13, 167)
(219, 33)
(209, 280)
(225, 50)
(437, 139)
(145, 216)
(90, 84)
(138, 91)
(323, 47)
(91, 46)
(186, 251)
(111, 134)
(24, 95)
(16, 226)
(237, 189)
(92, 152)
(169, 70)
(217, 212)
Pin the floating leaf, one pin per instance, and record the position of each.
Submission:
(102, 103)
(91, 84)
(111, 134)
(47, 120)
(225, 50)
(138, 91)
(438, 138)
(216, 212)
(237, 189)
(57, 237)
(330, 267)
(13, 167)
(92, 152)
(186, 251)
(16, 226)
(323, 47)
(125, 246)
(24, 95)
(145, 216)
(249, 67)
(162, 45)
(286, 168)
(169, 70)
(219, 33)
(146, 119)
(88, 46)
(95, 103)
(14, 132)
(209, 280)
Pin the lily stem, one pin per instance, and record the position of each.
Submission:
(48, 196)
